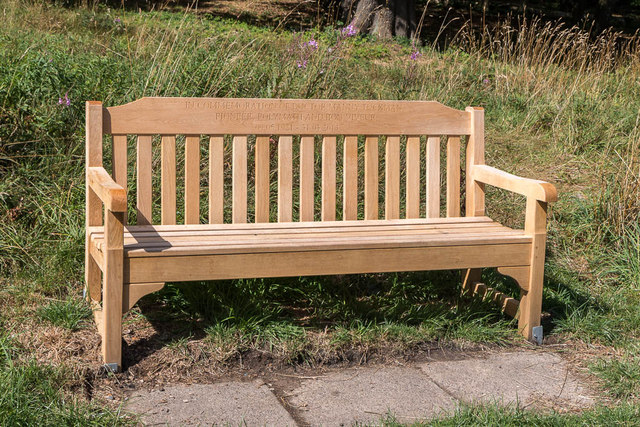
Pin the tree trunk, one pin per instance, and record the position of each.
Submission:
(382, 18)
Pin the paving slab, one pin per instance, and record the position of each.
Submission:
(367, 395)
(228, 403)
(527, 379)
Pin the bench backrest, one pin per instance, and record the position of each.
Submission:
(240, 139)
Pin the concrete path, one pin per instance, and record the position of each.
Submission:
(343, 397)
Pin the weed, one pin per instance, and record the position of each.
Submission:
(36, 394)
(620, 376)
(71, 313)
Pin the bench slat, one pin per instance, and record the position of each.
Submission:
(239, 179)
(144, 179)
(262, 178)
(266, 238)
(168, 188)
(120, 161)
(328, 178)
(333, 243)
(170, 241)
(371, 177)
(306, 178)
(139, 235)
(297, 116)
(392, 178)
(413, 177)
(216, 179)
(453, 176)
(433, 176)
(350, 179)
(285, 178)
(305, 225)
(192, 179)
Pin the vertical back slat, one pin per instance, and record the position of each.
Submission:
(433, 177)
(262, 178)
(413, 177)
(392, 178)
(216, 179)
(192, 180)
(239, 179)
(285, 179)
(306, 178)
(328, 178)
(350, 178)
(168, 191)
(143, 183)
(371, 177)
(120, 162)
(453, 176)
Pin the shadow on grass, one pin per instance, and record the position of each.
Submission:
(421, 307)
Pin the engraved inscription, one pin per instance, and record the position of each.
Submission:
(282, 116)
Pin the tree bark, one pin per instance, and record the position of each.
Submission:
(382, 18)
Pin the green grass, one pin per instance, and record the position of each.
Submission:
(569, 117)
(71, 313)
(622, 415)
(32, 393)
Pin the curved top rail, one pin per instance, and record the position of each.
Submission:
(284, 116)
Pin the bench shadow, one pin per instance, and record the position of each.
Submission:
(146, 236)
(347, 302)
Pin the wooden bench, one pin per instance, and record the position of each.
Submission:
(125, 262)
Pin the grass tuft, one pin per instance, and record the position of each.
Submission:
(71, 313)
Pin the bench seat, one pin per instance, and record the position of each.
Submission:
(166, 252)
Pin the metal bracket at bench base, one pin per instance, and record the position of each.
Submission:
(112, 367)
(537, 334)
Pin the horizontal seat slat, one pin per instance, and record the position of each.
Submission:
(296, 225)
(158, 241)
(381, 229)
(174, 241)
(344, 244)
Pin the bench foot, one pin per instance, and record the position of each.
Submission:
(114, 368)
(537, 335)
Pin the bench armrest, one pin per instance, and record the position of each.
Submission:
(538, 190)
(112, 195)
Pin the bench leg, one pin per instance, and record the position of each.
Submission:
(531, 300)
(112, 296)
(92, 277)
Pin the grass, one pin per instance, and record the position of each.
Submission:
(33, 393)
(71, 313)
(489, 415)
(560, 106)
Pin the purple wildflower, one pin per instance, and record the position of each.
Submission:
(349, 31)
(65, 102)
(302, 64)
(485, 81)
(312, 44)
(117, 20)
(415, 55)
